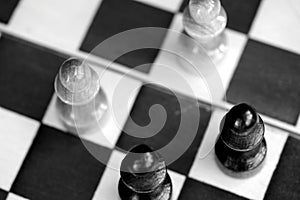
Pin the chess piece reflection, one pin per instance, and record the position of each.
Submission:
(80, 99)
(241, 148)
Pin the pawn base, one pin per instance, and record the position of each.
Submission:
(84, 115)
(218, 53)
(210, 36)
(240, 164)
(162, 192)
(198, 59)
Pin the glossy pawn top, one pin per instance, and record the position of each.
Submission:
(204, 19)
(243, 128)
(75, 75)
(142, 169)
(204, 10)
(76, 82)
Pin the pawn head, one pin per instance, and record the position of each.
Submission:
(142, 169)
(241, 117)
(204, 11)
(141, 159)
(75, 75)
(242, 128)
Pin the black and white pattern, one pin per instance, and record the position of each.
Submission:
(40, 159)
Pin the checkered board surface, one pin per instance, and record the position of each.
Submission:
(41, 160)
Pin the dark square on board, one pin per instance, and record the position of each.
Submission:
(116, 16)
(3, 194)
(27, 74)
(240, 13)
(58, 166)
(268, 78)
(7, 8)
(169, 114)
(193, 189)
(287, 174)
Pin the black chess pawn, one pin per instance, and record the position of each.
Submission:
(144, 176)
(241, 148)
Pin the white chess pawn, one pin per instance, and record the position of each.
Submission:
(80, 100)
(205, 21)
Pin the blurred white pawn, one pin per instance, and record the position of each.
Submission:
(80, 100)
(205, 21)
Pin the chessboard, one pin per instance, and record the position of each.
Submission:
(41, 160)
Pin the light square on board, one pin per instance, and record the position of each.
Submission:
(17, 134)
(54, 22)
(7, 8)
(280, 30)
(59, 166)
(177, 182)
(177, 133)
(108, 186)
(116, 16)
(199, 82)
(12, 196)
(206, 169)
(27, 75)
(193, 189)
(268, 78)
(169, 5)
(120, 92)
